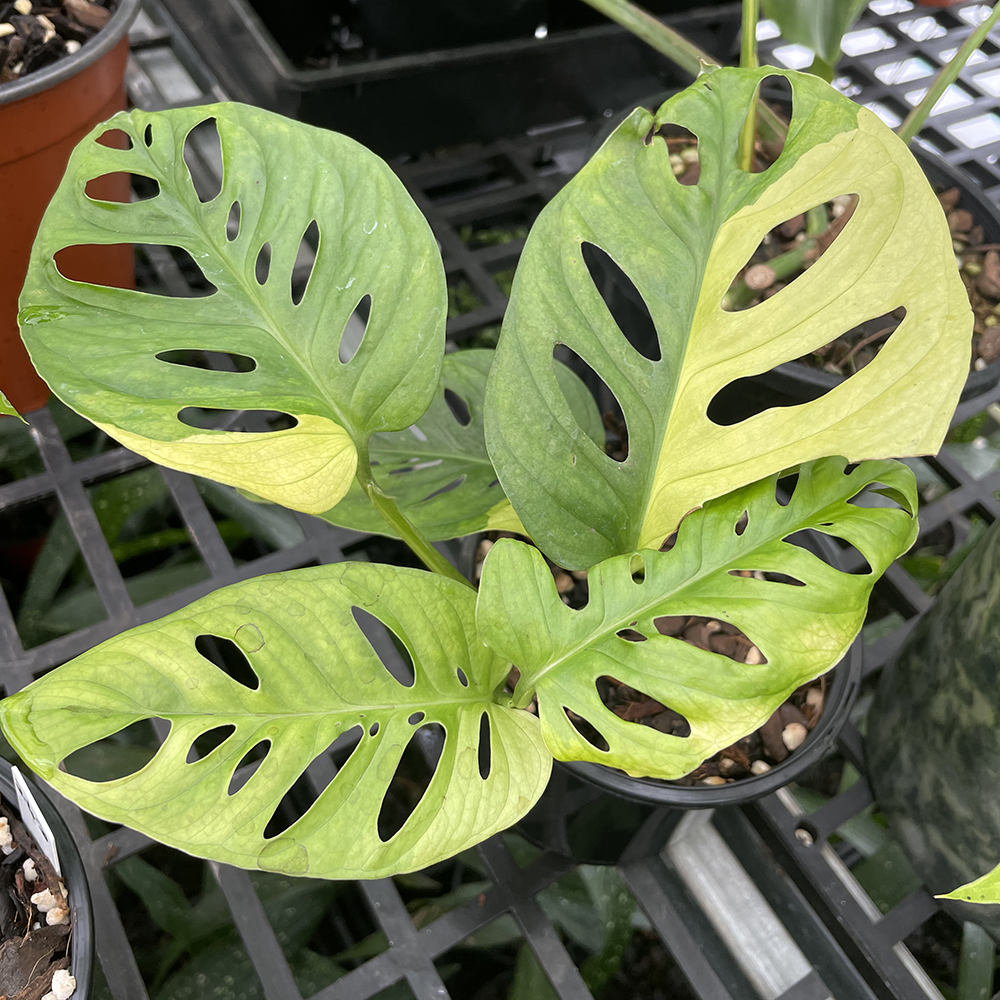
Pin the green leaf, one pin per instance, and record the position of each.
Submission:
(682, 246)
(985, 889)
(6, 409)
(976, 963)
(284, 175)
(318, 679)
(530, 981)
(802, 631)
(819, 25)
(419, 465)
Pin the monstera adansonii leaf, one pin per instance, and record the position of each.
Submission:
(438, 469)
(682, 246)
(114, 354)
(6, 409)
(802, 621)
(319, 677)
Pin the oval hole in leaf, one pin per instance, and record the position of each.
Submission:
(410, 781)
(453, 485)
(115, 138)
(210, 740)
(203, 156)
(262, 266)
(630, 635)
(587, 731)
(788, 251)
(776, 91)
(784, 489)
(682, 145)
(305, 261)
(373, 729)
(637, 567)
(121, 188)
(607, 402)
(458, 406)
(354, 330)
(712, 635)
(627, 307)
(768, 576)
(233, 221)
(117, 756)
(880, 495)
(632, 705)
(741, 524)
(216, 361)
(416, 718)
(147, 135)
(851, 559)
(462, 679)
(308, 787)
(387, 646)
(248, 765)
(485, 750)
(236, 421)
(229, 658)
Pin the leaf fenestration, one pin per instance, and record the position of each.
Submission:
(681, 246)
(286, 178)
(319, 678)
(801, 631)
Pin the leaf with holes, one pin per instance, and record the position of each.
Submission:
(681, 246)
(801, 622)
(438, 469)
(985, 889)
(281, 180)
(318, 678)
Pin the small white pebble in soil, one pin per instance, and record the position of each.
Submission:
(44, 900)
(63, 984)
(6, 838)
(6, 29)
(29, 871)
(578, 574)
(72, 46)
(713, 779)
(814, 698)
(754, 656)
(564, 583)
(22, 6)
(676, 164)
(57, 915)
(979, 364)
(840, 204)
(991, 320)
(793, 735)
(689, 155)
(45, 22)
(760, 767)
(760, 276)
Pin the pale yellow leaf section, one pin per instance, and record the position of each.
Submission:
(308, 467)
(502, 518)
(895, 251)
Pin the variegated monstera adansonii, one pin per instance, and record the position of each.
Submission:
(318, 642)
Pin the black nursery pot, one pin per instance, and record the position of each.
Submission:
(598, 815)
(74, 876)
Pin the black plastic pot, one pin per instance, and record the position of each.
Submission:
(594, 813)
(933, 739)
(417, 102)
(74, 876)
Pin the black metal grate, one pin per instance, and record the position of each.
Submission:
(849, 948)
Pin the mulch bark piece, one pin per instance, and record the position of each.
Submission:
(33, 36)
(31, 949)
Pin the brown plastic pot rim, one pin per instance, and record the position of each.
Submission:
(103, 42)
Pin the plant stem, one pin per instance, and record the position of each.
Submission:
(784, 266)
(915, 119)
(654, 32)
(402, 525)
(748, 60)
(681, 51)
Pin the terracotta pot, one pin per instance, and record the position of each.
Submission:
(42, 118)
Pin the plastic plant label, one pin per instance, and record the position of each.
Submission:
(34, 821)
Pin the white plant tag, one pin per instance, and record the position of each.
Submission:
(34, 821)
